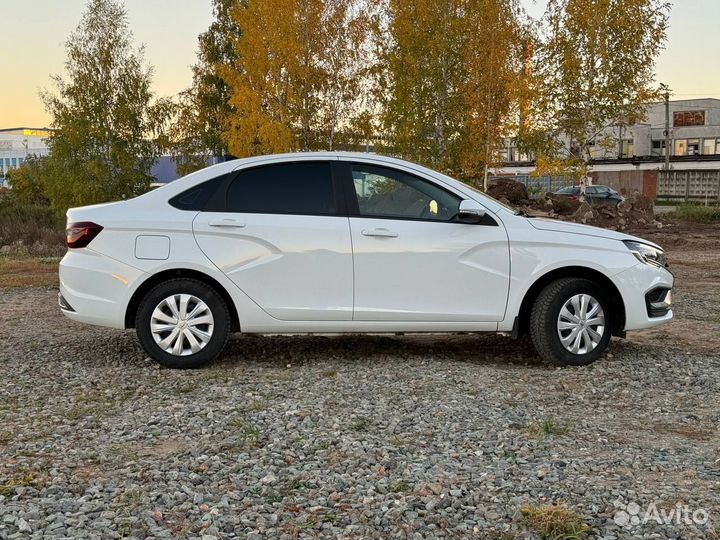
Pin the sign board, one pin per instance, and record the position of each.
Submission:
(688, 118)
(36, 133)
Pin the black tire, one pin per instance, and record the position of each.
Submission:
(544, 321)
(200, 290)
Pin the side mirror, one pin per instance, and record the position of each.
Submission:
(470, 211)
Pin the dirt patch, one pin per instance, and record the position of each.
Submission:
(28, 272)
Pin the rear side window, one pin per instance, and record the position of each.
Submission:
(304, 187)
(197, 198)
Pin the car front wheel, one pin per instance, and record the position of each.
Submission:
(570, 322)
(183, 323)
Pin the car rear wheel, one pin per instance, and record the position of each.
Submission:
(183, 323)
(570, 322)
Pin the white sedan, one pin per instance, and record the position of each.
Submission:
(349, 243)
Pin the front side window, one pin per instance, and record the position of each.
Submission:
(383, 192)
(304, 187)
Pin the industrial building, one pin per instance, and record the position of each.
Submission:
(16, 144)
(694, 140)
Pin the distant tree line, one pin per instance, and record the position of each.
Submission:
(440, 82)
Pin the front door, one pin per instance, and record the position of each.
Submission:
(414, 261)
(283, 240)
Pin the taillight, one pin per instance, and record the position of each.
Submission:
(80, 234)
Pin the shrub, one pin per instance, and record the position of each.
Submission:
(30, 226)
(698, 214)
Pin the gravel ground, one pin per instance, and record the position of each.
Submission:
(345, 437)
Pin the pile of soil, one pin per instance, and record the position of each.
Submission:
(635, 212)
(509, 192)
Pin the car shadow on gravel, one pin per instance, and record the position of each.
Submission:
(283, 350)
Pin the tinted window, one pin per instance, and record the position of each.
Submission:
(286, 188)
(383, 192)
(197, 198)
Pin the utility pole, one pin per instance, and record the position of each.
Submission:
(666, 95)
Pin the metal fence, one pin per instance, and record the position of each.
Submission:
(689, 185)
(538, 186)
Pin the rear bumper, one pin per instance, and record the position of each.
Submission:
(646, 292)
(94, 288)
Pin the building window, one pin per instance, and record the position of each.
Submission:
(21, 161)
(680, 147)
(658, 148)
(628, 148)
(708, 147)
(693, 147)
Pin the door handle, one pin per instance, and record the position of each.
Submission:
(232, 223)
(380, 232)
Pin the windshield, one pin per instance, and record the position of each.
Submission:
(566, 190)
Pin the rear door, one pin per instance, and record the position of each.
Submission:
(413, 260)
(282, 236)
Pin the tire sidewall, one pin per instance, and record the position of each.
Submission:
(565, 357)
(183, 286)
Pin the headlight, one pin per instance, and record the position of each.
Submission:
(647, 254)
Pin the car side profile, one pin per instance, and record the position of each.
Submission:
(349, 243)
(595, 195)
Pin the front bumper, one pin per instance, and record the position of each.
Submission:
(647, 293)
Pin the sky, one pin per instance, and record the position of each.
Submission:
(33, 33)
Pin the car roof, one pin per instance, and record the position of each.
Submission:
(197, 177)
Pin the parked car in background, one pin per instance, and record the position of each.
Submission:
(350, 243)
(595, 195)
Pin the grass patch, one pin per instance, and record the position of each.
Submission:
(248, 434)
(546, 427)
(551, 522)
(360, 424)
(93, 403)
(128, 501)
(399, 486)
(329, 373)
(257, 405)
(187, 387)
(24, 479)
(698, 214)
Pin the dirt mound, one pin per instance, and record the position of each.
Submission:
(509, 190)
(563, 205)
(636, 211)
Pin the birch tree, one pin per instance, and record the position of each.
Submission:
(204, 109)
(420, 47)
(102, 113)
(298, 74)
(595, 70)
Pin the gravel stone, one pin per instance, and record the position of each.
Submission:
(343, 437)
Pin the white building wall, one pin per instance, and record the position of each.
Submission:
(16, 146)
